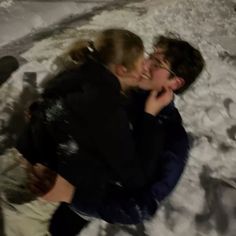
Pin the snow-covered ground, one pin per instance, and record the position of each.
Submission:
(20, 18)
(204, 202)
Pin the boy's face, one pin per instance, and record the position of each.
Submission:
(157, 69)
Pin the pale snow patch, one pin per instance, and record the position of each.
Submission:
(232, 110)
(6, 3)
(70, 147)
(55, 111)
(38, 22)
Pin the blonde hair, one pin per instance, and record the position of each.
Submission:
(111, 46)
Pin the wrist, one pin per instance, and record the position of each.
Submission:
(67, 189)
(70, 195)
(152, 111)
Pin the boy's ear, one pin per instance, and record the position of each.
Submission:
(120, 70)
(177, 83)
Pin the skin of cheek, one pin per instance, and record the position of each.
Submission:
(138, 67)
(159, 78)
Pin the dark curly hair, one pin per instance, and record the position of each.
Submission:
(185, 60)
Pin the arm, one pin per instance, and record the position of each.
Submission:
(133, 209)
(114, 141)
(124, 207)
(122, 160)
(128, 208)
(173, 164)
(126, 156)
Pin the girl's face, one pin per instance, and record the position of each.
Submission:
(133, 75)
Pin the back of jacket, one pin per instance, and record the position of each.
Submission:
(81, 130)
(59, 132)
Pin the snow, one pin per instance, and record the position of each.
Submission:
(6, 4)
(55, 111)
(68, 148)
(20, 18)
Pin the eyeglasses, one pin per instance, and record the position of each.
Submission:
(157, 63)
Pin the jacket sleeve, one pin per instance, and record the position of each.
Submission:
(132, 208)
(106, 121)
(115, 142)
(173, 162)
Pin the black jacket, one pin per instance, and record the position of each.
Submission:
(81, 129)
(122, 207)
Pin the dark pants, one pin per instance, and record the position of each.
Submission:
(65, 222)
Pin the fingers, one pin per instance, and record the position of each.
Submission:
(36, 189)
(154, 93)
(42, 171)
(40, 187)
(166, 90)
(62, 191)
(41, 179)
(170, 92)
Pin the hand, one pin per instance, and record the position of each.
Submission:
(158, 100)
(48, 185)
(62, 191)
(41, 179)
(165, 96)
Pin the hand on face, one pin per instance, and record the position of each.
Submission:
(157, 100)
(165, 96)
